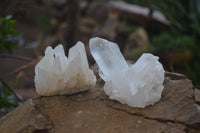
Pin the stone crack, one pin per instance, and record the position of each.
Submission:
(85, 100)
(50, 125)
(187, 126)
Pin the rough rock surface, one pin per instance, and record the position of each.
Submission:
(197, 95)
(92, 111)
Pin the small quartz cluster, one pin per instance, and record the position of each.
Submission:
(56, 74)
(138, 85)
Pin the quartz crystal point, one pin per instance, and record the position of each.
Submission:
(137, 85)
(56, 74)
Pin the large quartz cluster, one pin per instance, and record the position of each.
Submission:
(137, 85)
(56, 74)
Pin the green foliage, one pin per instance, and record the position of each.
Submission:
(127, 28)
(193, 72)
(44, 22)
(8, 101)
(173, 43)
(186, 46)
(183, 14)
(7, 31)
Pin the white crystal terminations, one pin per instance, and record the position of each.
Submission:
(137, 85)
(56, 74)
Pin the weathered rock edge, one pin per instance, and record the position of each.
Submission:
(92, 111)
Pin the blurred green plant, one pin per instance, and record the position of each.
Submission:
(18, 80)
(8, 99)
(44, 22)
(184, 15)
(173, 43)
(185, 50)
(127, 28)
(7, 31)
(193, 72)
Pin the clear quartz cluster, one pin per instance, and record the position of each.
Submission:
(138, 85)
(56, 74)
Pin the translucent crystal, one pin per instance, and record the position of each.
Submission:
(56, 74)
(137, 85)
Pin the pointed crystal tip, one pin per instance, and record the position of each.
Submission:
(137, 85)
(56, 74)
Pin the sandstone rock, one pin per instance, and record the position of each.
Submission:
(26, 118)
(92, 111)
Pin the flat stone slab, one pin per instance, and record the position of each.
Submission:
(93, 112)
